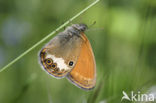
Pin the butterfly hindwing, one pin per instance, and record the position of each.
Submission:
(60, 55)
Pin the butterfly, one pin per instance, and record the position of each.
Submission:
(69, 54)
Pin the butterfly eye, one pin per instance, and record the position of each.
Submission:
(71, 63)
(49, 61)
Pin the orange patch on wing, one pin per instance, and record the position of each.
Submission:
(84, 73)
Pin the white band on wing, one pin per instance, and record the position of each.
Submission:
(59, 61)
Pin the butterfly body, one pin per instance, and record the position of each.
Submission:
(61, 57)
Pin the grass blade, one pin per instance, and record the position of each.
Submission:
(45, 38)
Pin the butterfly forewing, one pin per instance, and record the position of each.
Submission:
(84, 73)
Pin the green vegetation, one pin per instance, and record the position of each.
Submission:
(123, 41)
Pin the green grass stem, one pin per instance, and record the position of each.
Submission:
(48, 36)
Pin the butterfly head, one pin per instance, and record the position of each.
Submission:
(77, 28)
(81, 27)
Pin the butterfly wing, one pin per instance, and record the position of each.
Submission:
(60, 55)
(83, 74)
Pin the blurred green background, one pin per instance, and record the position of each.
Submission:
(123, 41)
